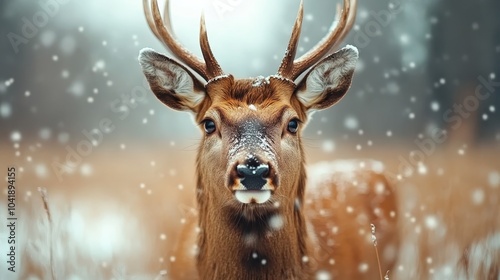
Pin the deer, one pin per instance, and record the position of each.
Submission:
(255, 218)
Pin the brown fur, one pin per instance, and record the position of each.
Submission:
(214, 241)
(222, 229)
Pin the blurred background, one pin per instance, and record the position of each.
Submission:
(78, 120)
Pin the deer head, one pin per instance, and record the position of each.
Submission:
(251, 154)
(250, 162)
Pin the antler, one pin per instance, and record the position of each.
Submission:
(209, 68)
(290, 68)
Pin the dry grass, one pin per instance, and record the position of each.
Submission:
(122, 220)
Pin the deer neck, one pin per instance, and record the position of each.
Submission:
(275, 246)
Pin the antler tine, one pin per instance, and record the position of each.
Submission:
(351, 17)
(213, 66)
(330, 41)
(162, 30)
(166, 16)
(149, 19)
(286, 67)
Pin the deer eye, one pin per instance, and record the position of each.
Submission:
(209, 126)
(293, 126)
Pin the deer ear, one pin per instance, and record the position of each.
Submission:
(329, 80)
(171, 82)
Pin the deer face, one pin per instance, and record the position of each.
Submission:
(251, 150)
(251, 153)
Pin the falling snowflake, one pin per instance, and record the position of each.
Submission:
(351, 123)
(431, 222)
(478, 196)
(363, 267)
(15, 136)
(5, 110)
(328, 146)
(86, 170)
(323, 275)
(494, 179)
(41, 170)
(435, 106)
(276, 222)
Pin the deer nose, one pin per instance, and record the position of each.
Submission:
(253, 174)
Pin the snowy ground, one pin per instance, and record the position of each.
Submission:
(117, 216)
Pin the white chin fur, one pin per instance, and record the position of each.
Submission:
(253, 196)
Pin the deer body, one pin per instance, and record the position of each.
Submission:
(332, 244)
(254, 219)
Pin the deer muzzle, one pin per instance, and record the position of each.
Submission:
(252, 181)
